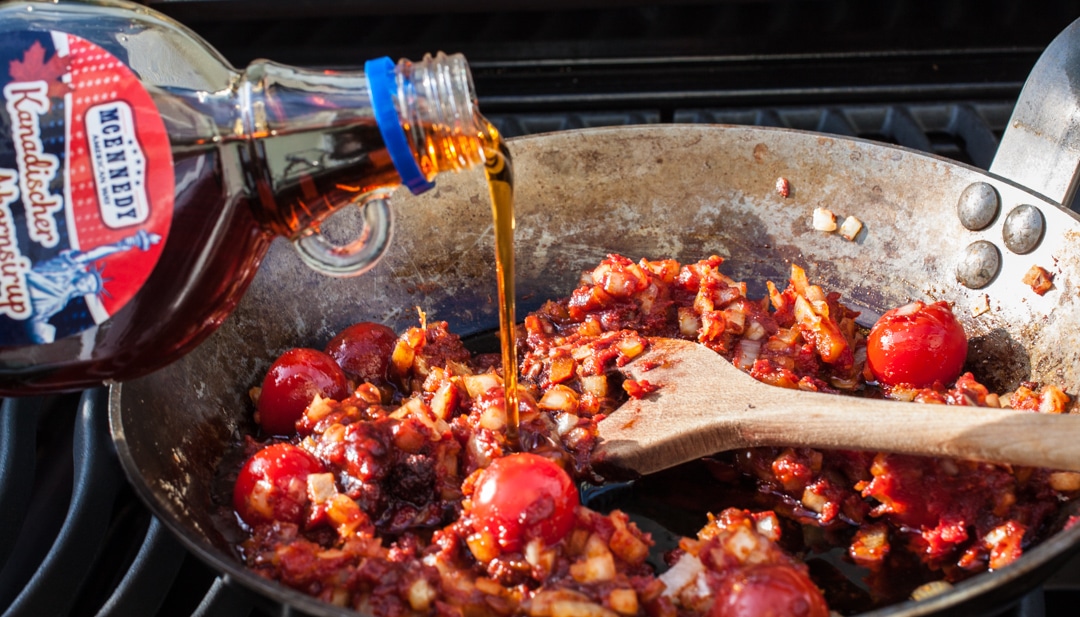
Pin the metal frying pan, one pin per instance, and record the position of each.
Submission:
(664, 191)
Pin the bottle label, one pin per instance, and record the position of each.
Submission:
(86, 186)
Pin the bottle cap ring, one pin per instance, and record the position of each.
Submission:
(382, 83)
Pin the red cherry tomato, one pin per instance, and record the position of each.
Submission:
(524, 496)
(272, 484)
(769, 591)
(363, 350)
(290, 384)
(917, 344)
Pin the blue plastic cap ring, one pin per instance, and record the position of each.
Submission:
(382, 83)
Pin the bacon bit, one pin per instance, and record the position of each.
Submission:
(1039, 280)
(783, 187)
(638, 389)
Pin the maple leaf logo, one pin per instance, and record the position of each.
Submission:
(34, 68)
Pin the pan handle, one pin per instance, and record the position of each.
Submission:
(1040, 149)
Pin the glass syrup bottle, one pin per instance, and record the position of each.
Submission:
(142, 179)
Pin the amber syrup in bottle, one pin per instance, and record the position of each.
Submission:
(145, 179)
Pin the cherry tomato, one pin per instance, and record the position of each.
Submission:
(769, 591)
(524, 496)
(917, 344)
(363, 350)
(290, 384)
(272, 484)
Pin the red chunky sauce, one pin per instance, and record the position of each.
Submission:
(403, 495)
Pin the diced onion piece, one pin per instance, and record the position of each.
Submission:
(813, 500)
(1038, 279)
(824, 220)
(713, 325)
(799, 281)
(539, 557)
(445, 401)
(490, 587)
(411, 438)
(476, 385)
(559, 398)
(909, 309)
(981, 305)
(768, 525)
(742, 544)
(755, 331)
(736, 321)
(483, 546)
(599, 564)
(703, 302)
(623, 601)
(850, 228)
(566, 423)
(816, 295)
(580, 609)
(689, 323)
(747, 353)
(493, 418)
(368, 393)
(804, 311)
(421, 595)
(345, 514)
(318, 408)
(1004, 542)
(681, 575)
(870, 545)
(321, 487)
(339, 597)
(408, 408)
(631, 346)
(929, 590)
(335, 433)
(597, 385)
(402, 358)
(628, 546)
(1052, 399)
(1065, 481)
(562, 367)
(540, 604)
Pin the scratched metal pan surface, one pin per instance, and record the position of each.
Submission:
(683, 192)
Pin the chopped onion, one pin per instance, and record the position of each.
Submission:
(850, 228)
(747, 354)
(824, 220)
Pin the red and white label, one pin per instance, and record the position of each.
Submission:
(86, 186)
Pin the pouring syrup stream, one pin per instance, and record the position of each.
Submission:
(500, 178)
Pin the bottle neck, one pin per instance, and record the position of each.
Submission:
(436, 102)
(315, 143)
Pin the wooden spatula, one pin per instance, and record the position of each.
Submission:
(704, 405)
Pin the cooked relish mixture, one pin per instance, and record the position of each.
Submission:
(383, 479)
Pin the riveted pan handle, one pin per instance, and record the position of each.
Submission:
(1040, 149)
